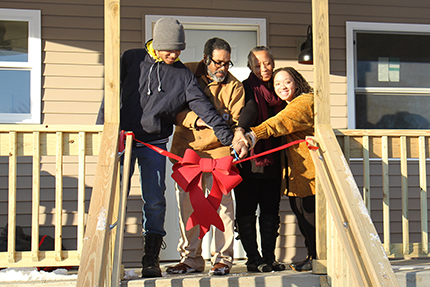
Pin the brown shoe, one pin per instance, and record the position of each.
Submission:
(180, 268)
(219, 269)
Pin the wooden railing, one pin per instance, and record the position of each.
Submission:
(387, 156)
(96, 266)
(35, 142)
(355, 256)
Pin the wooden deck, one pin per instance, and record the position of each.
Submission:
(409, 272)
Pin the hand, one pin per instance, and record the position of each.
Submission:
(251, 138)
(201, 124)
(239, 136)
(240, 149)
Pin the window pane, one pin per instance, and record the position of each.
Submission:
(14, 41)
(240, 41)
(392, 111)
(393, 60)
(15, 91)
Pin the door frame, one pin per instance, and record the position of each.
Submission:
(210, 23)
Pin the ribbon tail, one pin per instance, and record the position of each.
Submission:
(215, 196)
(193, 221)
(204, 213)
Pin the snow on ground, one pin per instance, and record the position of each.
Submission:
(32, 274)
(130, 274)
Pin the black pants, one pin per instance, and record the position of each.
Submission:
(304, 209)
(252, 192)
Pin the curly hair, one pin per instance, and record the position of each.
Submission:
(302, 86)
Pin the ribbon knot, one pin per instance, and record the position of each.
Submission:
(188, 175)
(207, 164)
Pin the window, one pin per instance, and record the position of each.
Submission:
(388, 68)
(20, 66)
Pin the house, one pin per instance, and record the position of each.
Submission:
(378, 69)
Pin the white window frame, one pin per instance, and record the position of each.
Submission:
(212, 23)
(34, 64)
(351, 30)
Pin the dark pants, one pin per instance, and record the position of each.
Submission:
(304, 209)
(252, 192)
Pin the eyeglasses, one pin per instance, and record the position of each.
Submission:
(228, 64)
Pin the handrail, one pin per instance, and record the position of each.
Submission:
(34, 142)
(96, 249)
(367, 262)
(400, 154)
(353, 143)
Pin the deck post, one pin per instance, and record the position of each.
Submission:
(93, 269)
(321, 62)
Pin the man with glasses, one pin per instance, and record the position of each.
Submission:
(226, 94)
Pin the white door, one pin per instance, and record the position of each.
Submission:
(241, 40)
(241, 43)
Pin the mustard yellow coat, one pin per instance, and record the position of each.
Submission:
(295, 122)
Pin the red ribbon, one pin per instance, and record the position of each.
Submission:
(271, 151)
(188, 174)
(188, 171)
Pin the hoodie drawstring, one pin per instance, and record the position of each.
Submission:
(158, 76)
(149, 80)
(149, 92)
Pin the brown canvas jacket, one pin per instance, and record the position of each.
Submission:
(227, 97)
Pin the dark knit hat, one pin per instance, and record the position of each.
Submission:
(168, 35)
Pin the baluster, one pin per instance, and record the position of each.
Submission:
(81, 192)
(36, 197)
(12, 197)
(347, 148)
(386, 194)
(405, 211)
(366, 173)
(58, 196)
(423, 195)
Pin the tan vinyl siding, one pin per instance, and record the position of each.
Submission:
(72, 81)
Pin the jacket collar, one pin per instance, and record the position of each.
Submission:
(151, 52)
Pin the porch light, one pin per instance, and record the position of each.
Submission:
(306, 50)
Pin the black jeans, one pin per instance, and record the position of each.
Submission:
(252, 192)
(304, 209)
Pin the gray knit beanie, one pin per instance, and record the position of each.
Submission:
(168, 35)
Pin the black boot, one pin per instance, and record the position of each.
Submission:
(150, 260)
(269, 225)
(248, 237)
(305, 265)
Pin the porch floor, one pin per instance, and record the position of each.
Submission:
(410, 273)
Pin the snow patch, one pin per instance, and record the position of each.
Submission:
(32, 274)
(101, 220)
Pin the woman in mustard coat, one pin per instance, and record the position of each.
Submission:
(295, 122)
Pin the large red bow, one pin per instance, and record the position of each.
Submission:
(188, 175)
